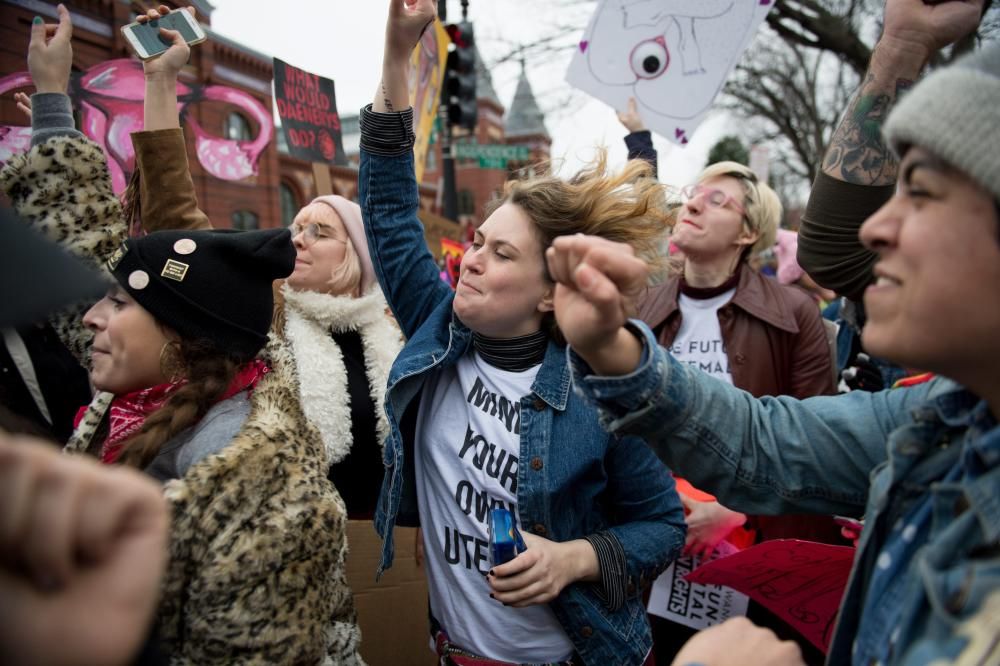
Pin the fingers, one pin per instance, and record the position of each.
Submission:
(17, 480)
(632, 109)
(23, 103)
(522, 562)
(153, 14)
(37, 34)
(616, 260)
(174, 36)
(65, 28)
(48, 547)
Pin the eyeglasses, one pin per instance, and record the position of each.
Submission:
(313, 232)
(714, 198)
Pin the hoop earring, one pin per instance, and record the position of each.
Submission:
(170, 362)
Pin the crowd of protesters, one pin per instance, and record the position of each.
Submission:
(250, 392)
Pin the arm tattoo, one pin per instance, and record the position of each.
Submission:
(385, 98)
(857, 153)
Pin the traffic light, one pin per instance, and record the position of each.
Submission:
(460, 76)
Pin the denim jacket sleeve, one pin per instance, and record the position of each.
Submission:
(651, 527)
(405, 268)
(762, 456)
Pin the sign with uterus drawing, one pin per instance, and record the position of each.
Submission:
(672, 56)
(109, 97)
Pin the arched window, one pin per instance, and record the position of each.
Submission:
(238, 127)
(245, 220)
(289, 204)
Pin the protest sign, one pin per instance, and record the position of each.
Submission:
(695, 605)
(426, 77)
(801, 582)
(672, 56)
(307, 106)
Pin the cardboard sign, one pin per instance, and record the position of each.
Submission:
(307, 106)
(695, 605)
(801, 582)
(672, 56)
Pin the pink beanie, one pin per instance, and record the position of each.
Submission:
(785, 248)
(350, 215)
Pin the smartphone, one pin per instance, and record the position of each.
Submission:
(145, 37)
(506, 542)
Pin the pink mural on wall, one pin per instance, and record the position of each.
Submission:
(109, 98)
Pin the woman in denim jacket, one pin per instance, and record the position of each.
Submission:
(482, 413)
(923, 463)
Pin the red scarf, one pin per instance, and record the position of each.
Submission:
(128, 412)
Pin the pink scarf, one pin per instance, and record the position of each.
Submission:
(128, 412)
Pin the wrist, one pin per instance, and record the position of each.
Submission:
(583, 563)
(163, 78)
(46, 87)
(903, 58)
(617, 355)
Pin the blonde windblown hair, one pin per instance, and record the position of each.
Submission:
(629, 206)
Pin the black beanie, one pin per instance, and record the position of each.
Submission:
(214, 284)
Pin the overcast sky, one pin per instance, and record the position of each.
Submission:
(342, 40)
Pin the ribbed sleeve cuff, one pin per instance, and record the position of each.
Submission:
(614, 571)
(51, 115)
(387, 134)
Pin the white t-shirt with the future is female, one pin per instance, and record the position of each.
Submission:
(699, 340)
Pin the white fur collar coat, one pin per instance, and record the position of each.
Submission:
(310, 320)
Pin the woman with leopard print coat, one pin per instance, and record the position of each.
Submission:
(256, 561)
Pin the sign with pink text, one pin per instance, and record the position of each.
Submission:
(672, 56)
(801, 582)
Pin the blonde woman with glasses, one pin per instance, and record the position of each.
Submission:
(715, 313)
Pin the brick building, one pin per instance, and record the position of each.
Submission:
(283, 183)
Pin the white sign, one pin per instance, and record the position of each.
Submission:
(672, 56)
(693, 605)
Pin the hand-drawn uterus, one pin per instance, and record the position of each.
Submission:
(675, 54)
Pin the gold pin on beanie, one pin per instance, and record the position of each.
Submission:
(955, 114)
(214, 285)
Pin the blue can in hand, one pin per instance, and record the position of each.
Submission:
(505, 541)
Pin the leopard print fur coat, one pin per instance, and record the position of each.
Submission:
(256, 570)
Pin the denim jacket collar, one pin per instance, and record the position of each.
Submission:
(554, 380)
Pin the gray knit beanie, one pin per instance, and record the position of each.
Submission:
(955, 115)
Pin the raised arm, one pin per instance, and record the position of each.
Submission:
(639, 140)
(859, 169)
(759, 456)
(166, 194)
(61, 186)
(387, 186)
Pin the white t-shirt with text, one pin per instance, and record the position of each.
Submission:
(466, 453)
(699, 340)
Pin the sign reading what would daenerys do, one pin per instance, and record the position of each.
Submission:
(307, 106)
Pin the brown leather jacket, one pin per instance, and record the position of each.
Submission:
(773, 333)
(776, 345)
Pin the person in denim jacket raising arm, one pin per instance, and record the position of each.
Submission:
(921, 463)
(482, 413)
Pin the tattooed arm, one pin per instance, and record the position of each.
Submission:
(859, 169)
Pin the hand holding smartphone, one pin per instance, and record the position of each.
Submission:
(145, 37)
